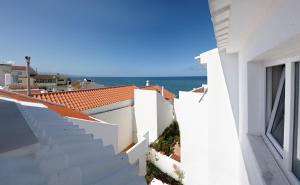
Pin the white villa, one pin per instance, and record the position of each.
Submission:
(116, 122)
(244, 129)
(241, 128)
(43, 143)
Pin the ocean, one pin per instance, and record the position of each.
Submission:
(173, 84)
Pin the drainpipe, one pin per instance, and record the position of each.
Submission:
(27, 59)
(162, 90)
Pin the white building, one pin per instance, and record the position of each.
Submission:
(247, 123)
(4, 69)
(41, 143)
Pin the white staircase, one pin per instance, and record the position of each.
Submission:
(66, 155)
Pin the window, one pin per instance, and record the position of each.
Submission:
(275, 106)
(296, 138)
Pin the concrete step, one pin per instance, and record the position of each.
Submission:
(124, 175)
(20, 170)
(138, 180)
(93, 173)
(57, 149)
(51, 140)
(78, 159)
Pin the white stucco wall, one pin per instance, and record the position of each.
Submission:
(137, 154)
(227, 168)
(164, 114)
(145, 107)
(166, 164)
(152, 112)
(192, 117)
(100, 130)
(124, 119)
(211, 152)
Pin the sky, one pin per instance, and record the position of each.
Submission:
(107, 37)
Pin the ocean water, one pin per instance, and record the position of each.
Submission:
(173, 84)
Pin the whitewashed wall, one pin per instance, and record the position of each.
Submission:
(209, 131)
(152, 112)
(192, 117)
(227, 168)
(100, 130)
(145, 108)
(166, 164)
(137, 154)
(164, 114)
(124, 119)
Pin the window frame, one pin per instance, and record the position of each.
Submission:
(270, 122)
(284, 161)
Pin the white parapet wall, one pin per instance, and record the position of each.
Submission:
(124, 119)
(166, 164)
(192, 117)
(100, 130)
(210, 148)
(152, 112)
(137, 154)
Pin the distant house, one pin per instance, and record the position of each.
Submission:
(12, 74)
(52, 81)
(19, 74)
(5, 70)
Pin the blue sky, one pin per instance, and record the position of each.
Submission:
(107, 37)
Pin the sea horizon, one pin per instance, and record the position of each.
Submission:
(173, 84)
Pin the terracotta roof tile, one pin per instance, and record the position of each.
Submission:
(60, 109)
(21, 68)
(86, 99)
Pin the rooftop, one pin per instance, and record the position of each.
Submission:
(87, 99)
(23, 68)
(45, 148)
(60, 109)
(82, 100)
(20, 68)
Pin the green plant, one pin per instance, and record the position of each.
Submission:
(167, 140)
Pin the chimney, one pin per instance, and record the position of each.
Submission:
(147, 83)
(162, 90)
(27, 60)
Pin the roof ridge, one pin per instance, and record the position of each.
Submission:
(85, 90)
(70, 112)
(37, 100)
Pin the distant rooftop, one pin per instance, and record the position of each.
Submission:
(60, 109)
(87, 99)
(81, 100)
(23, 68)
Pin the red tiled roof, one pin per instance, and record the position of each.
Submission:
(21, 68)
(61, 110)
(167, 94)
(87, 99)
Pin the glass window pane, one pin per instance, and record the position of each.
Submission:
(275, 89)
(296, 142)
(277, 130)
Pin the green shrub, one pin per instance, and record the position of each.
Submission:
(166, 142)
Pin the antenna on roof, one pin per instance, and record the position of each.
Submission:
(27, 60)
